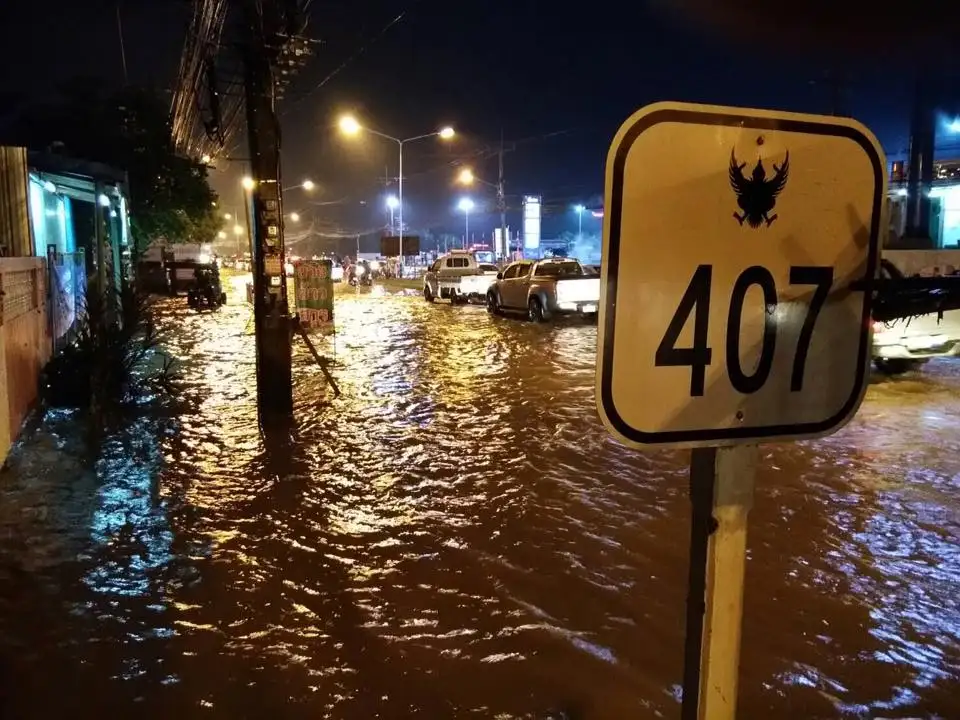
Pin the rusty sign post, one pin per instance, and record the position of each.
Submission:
(733, 242)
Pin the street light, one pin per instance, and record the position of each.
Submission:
(222, 235)
(392, 203)
(466, 204)
(248, 183)
(350, 126)
(227, 216)
(294, 217)
(579, 210)
(305, 185)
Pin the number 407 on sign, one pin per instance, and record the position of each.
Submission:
(734, 249)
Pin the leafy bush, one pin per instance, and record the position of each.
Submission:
(114, 360)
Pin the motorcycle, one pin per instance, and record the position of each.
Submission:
(360, 275)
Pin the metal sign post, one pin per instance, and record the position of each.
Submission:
(733, 311)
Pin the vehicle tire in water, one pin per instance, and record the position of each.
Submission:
(896, 366)
(427, 294)
(493, 303)
(535, 310)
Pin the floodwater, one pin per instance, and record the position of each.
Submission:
(457, 537)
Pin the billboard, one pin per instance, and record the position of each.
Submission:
(390, 245)
(531, 222)
(313, 285)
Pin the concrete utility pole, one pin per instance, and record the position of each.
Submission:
(267, 36)
(502, 206)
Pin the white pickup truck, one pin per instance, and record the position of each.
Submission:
(903, 345)
(458, 277)
(545, 288)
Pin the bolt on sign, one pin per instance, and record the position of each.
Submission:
(730, 243)
(313, 283)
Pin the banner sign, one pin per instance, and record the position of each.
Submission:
(313, 283)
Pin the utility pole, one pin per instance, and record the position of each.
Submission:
(502, 203)
(272, 321)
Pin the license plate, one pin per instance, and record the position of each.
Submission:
(588, 308)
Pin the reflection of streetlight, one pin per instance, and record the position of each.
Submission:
(222, 235)
(248, 183)
(466, 204)
(350, 126)
(294, 217)
(227, 216)
(238, 229)
(392, 203)
(579, 210)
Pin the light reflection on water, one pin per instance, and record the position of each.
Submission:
(456, 536)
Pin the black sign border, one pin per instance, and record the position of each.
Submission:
(744, 434)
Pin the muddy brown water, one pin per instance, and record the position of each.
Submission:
(458, 537)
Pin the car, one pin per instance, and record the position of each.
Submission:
(906, 344)
(545, 288)
(458, 277)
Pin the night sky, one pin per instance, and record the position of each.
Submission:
(555, 78)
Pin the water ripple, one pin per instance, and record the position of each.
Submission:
(457, 536)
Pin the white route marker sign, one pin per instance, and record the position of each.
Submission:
(730, 240)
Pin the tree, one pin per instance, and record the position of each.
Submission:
(171, 198)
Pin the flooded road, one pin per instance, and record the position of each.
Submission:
(457, 537)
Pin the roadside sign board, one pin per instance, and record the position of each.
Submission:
(731, 238)
(390, 245)
(313, 286)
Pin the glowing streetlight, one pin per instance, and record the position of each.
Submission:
(393, 202)
(248, 183)
(350, 126)
(238, 229)
(294, 217)
(227, 216)
(579, 210)
(307, 185)
(222, 235)
(466, 177)
(466, 205)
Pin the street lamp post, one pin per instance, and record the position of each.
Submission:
(350, 126)
(579, 209)
(466, 204)
(466, 177)
(392, 204)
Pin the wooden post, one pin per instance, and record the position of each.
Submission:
(721, 495)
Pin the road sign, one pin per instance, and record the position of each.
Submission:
(390, 245)
(313, 282)
(730, 241)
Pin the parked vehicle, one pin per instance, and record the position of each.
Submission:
(206, 290)
(903, 345)
(545, 288)
(458, 277)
